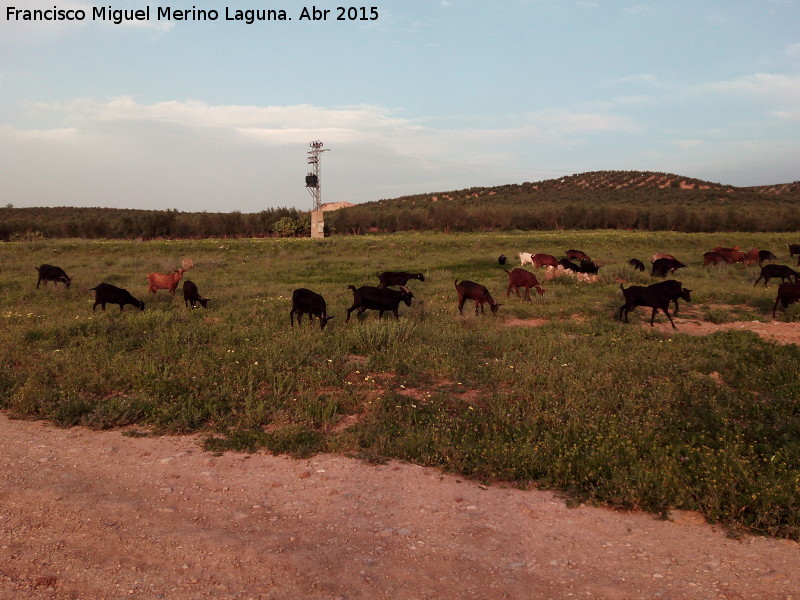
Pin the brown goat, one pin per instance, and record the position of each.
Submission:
(544, 260)
(713, 258)
(162, 281)
(469, 290)
(520, 278)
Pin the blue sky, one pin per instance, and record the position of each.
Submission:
(434, 95)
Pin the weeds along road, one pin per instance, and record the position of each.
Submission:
(86, 514)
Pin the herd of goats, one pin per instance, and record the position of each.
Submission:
(384, 297)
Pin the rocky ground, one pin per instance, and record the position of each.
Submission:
(90, 515)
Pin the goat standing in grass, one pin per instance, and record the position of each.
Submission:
(469, 290)
(656, 296)
(304, 301)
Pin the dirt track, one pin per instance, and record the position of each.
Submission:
(100, 515)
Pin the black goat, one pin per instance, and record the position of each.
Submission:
(381, 299)
(662, 266)
(788, 293)
(111, 294)
(191, 295)
(54, 274)
(782, 271)
(587, 266)
(305, 301)
(636, 264)
(655, 296)
(794, 249)
(400, 278)
(469, 290)
(765, 255)
(502, 259)
(569, 265)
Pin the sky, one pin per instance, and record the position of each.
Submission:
(430, 96)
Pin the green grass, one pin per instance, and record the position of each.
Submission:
(612, 413)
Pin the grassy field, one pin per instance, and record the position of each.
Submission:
(607, 412)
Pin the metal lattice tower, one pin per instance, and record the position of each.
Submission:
(314, 179)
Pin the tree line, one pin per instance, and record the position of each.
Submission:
(98, 223)
(599, 200)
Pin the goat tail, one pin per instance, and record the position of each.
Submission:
(351, 287)
(621, 287)
(455, 283)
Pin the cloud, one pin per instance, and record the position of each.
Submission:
(787, 115)
(775, 88)
(191, 154)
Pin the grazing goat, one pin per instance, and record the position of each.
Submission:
(782, 271)
(588, 266)
(656, 296)
(54, 274)
(525, 258)
(520, 278)
(732, 255)
(788, 293)
(751, 256)
(305, 301)
(400, 278)
(569, 265)
(381, 299)
(469, 290)
(765, 255)
(713, 258)
(544, 260)
(105, 293)
(502, 259)
(636, 264)
(578, 255)
(794, 249)
(662, 266)
(162, 281)
(191, 295)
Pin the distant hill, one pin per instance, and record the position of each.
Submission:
(600, 199)
(596, 200)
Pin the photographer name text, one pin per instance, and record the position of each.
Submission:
(119, 16)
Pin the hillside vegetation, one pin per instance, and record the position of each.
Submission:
(599, 200)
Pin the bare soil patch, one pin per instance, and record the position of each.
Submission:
(778, 331)
(92, 515)
(526, 322)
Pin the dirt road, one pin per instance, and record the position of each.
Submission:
(88, 515)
